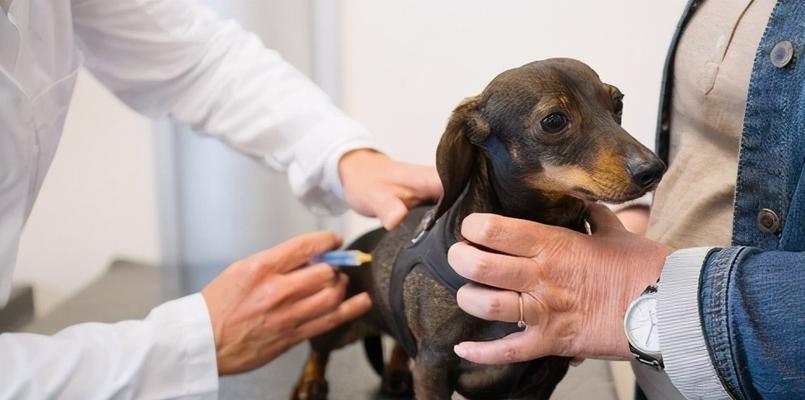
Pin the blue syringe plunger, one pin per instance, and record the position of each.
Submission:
(343, 258)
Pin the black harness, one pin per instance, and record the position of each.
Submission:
(427, 250)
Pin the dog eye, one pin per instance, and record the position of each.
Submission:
(618, 106)
(554, 123)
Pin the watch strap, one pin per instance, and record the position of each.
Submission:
(644, 358)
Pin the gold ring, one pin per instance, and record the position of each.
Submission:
(521, 322)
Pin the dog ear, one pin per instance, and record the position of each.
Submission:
(457, 152)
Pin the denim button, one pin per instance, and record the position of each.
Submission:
(782, 54)
(769, 222)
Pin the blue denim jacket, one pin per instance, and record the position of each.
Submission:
(752, 294)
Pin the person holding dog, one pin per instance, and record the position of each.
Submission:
(176, 58)
(709, 303)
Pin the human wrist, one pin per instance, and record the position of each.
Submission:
(650, 269)
(354, 161)
(333, 176)
(215, 323)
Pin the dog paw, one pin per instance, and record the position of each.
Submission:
(310, 390)
(397, 384)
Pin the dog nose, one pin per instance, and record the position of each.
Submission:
(646, 174)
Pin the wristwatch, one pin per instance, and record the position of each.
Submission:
(640, 325)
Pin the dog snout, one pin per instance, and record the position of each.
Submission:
(646, 174)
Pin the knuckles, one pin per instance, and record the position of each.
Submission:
(273, 294)
(481, 266)
(333, 297)
(494, 307)
(481, 228)
(511, 354)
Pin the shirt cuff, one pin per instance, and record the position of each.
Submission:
(195, 341)
(314, 175)
(687, 360)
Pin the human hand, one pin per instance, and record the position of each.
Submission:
(576, 287)
(377, 186)
(634, 219)
(264, 304)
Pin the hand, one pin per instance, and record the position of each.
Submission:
(575, 287)
(377, 186)
(634, 219)
(262, 305)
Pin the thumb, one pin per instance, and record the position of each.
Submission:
(390, 210)
(519, 346)
(603, 219)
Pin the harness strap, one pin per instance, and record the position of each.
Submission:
(428, 251)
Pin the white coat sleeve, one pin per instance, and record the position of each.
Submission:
(168, 355)
(177, 58)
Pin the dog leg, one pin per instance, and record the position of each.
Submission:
(397, 379)
(434, 375)
(312, 385)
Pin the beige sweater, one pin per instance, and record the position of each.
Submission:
(693, 204)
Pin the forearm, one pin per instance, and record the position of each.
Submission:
(170, 354)
(177, 58)
(750, 322)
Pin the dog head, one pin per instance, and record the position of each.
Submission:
(549, 128)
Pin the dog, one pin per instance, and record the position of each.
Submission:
(539, 143)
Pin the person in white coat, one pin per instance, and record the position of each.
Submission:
(176, 58)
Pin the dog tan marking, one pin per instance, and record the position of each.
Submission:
(608, 179)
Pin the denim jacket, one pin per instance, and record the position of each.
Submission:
(751, 295)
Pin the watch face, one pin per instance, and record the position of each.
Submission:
(641, 324)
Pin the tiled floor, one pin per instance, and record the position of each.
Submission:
(129, 290)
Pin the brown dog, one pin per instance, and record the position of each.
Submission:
(539, 142)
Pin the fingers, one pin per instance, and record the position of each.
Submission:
(510, 235)
(350, 309)
(499, 270)
(516, 347)
(300, 283)
(490, 304)
(603, 219)
(411, 185)
(427, 185)
(390, 210)
(309, 308)
(293, 253)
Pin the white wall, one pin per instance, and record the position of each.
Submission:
(98, 201)
(407, 64)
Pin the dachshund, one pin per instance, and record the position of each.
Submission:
(539, 143)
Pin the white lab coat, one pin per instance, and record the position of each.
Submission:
(162, 57)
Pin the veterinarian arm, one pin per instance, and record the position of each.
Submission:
(169, 354)
(177, 58)
(579, 287)
(255, 310)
